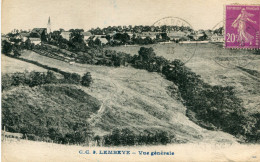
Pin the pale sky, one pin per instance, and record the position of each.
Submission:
(85, 14)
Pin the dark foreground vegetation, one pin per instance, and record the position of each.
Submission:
(126, 137)
(34, 78)
(50, 112)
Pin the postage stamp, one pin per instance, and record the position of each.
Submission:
(242, 25)
(232, 57)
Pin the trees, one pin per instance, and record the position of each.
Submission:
(6, 47)
(16, 52)
(36, 78)
(146, 53)
(86, 79)
(76, 41)
(55, 35)
(123, 38)
(76, 35)
(72, 78)
(50, 78)
(128, 137)
(98, 42)
(28, 44)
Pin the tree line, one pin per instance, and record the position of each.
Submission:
(35, 78)
(212, 107)
(138, 29)
(126, 137)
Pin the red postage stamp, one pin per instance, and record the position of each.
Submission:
(242, 25)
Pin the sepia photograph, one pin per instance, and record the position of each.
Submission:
(130, 80)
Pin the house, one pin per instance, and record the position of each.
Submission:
(66, 35)
(39, 30)
(86, 35)
(100, 36)
(35, 41)
(152, 35)
(111, 34)
(130, 34)
(208, 33)
(198, 36)
(176, 35)
(5, 38)
(39, 33)
(103, 41)
(24, 36)
(217, 38)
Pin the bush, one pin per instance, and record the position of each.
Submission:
(72, 78)
(126, 137)
(30, 79)
(37, 78)
(86, 79)
(146, 53)
(7, 81)
(6, 47)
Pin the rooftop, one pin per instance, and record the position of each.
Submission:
(86, 33)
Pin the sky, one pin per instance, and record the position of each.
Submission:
(86, 14)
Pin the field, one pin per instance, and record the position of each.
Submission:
(216, 66)
(40, 151)
(11, 65)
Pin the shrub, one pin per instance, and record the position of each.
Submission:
(127, 137)
(146, 53)
(86, 79)
(6, 47)
(72, 78)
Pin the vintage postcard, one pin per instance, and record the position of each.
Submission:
(130, 80)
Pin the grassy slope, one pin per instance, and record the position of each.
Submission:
(46, 106)
(136, 99)
(11, 65)
(214, 65)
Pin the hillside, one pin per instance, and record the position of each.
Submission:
(134, 99)
(11, 65)
(216, 66)
(52, 112)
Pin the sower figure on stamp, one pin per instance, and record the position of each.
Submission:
(240, 24)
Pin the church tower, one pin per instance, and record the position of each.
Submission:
(49, 25)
